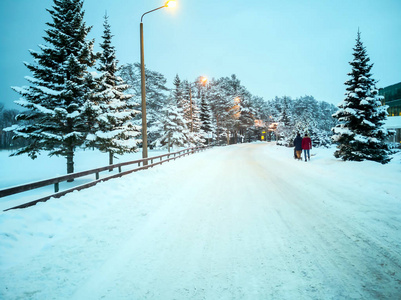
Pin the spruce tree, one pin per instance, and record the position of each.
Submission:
(221, 104)
(247, 117)
(156, 97)
(285, 130)
(187, 103)
(191, 114)
(111, 111)
(205, 116)
(60, 86)
(178, 91)
(228, 105)
(196, 136)
(172, 126)
(360, 133)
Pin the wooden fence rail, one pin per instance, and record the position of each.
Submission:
(154, 161)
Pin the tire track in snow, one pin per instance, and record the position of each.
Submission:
(334, 234)
(272, 242)
(236, 222)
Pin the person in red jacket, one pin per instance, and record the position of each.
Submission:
(306, 146)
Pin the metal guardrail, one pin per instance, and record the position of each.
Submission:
(56, 180)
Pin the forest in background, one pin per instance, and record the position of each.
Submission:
(224, 112)
(79, 98)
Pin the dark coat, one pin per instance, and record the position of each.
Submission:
(298, 143)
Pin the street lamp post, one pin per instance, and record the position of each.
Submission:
(170, 3)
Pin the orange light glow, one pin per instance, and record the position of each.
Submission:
(260, 123)
(203, 80)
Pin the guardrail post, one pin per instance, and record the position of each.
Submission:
(97, 175)
(119, 169)
(56, 187)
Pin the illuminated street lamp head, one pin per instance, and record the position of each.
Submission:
(203, 80)
(171, 3)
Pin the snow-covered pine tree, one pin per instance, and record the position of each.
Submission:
(172, 126)
(261, 116)
(306, 117)
(235, 114)
(196, 136)
(156, 95)
(326, 122)
(178, 91)
(59, 87)
(229, 106)
(191, 115)
(187, 103)
(285, 131)
(111, 110)
(303, 115)
(205, 116)
(247, 117)
(220, 110)
(360, 133)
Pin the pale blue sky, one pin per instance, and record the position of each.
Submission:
(276, 48)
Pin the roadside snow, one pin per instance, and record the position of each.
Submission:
(17, 170)
(238, 222)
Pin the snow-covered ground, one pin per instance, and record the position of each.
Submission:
(238, 222)
(17, 170)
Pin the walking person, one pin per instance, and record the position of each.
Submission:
(298, 146)
(306, 146)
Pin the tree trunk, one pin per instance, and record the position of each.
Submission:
(217, 131)
(111, 156)
(70, 162)
(169, 142)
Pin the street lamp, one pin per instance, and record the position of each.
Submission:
(170, 3)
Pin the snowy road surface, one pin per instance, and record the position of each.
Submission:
(237, 222)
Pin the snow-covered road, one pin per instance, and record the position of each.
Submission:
(238, 222)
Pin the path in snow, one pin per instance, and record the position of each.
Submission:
(238, 222)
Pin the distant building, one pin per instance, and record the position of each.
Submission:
(394, 123)
(392, 98)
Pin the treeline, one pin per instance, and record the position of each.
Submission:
(305, 115)
(8, 119)
(77, 98)
(218, 111)
(222, 111)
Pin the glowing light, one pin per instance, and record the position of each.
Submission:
(203, 80)
(171, 3)
(260, 123)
